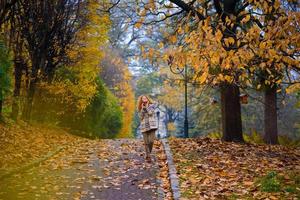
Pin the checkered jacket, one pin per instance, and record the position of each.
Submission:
(148, 118)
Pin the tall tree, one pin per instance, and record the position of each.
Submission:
(47, 28)
(226, 42)
(231, 114)
(75, 82)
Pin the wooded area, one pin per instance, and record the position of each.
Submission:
(53, 66)
(244, 50)
(52, 54)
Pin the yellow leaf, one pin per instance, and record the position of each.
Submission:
(228, 78)
(246, 19)
(138, 25)
(262, 45)
(173, 39)
(161, 45)
(203, 77)
(258, 86)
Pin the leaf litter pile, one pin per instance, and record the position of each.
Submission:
(212, 169)
(163, 173)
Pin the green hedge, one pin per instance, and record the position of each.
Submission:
(102, 118)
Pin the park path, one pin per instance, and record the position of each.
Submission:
(89, 169)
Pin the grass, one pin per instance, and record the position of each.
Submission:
(234, 197)
(270, 182)
(273, 182)
(188, 193)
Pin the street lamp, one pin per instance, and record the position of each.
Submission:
(182, 71)
(158, 134)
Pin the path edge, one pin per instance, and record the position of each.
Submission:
(174, 181)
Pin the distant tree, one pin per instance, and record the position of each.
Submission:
(117, 77)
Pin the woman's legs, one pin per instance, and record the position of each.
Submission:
(146, 143)
(149, 137)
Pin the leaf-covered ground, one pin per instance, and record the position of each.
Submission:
(21, 143)
(110, 169)
(212, 169)
(83, 169)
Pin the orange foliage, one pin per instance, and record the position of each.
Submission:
(117, 77)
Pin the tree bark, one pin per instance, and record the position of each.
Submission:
(26, 115)
(37, 64)
(270, 116)
(231, 113)
(1, 101)
(16, 94)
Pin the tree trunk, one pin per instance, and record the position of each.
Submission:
(231, 113)
(1, 101)
(31, 89)
(16, 94)
(28, 104)
(270, 115)
(37, 63)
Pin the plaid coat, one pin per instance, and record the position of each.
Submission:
(148, 118)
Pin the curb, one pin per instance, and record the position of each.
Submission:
(30, 165)
(172, 170)
(160, 191)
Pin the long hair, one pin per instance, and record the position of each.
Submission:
(139, 102)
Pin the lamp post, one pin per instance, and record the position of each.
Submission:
(186, 122)
(158, 134)
(182, 71)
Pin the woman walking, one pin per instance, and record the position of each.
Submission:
(146, 110)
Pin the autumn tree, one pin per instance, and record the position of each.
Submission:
(221, 40)
(286, 45)
(57, 49)
(75, 81)
(47, 28)
(274, 53)
(77, 97)
(170, 95)
(117, 77)
(231, 116)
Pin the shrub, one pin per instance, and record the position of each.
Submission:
(102, 118)
(255, 137)
(215, 135)
(104, 115)
(270, 183)
(286, 141)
